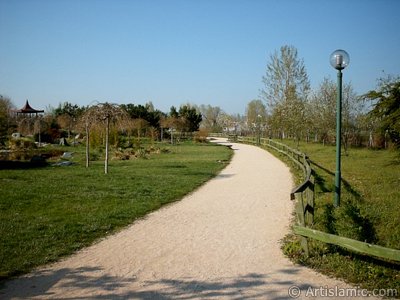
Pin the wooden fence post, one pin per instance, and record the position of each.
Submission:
(300, 219)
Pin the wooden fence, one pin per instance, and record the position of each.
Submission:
(305, 199)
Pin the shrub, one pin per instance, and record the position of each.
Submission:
(201, 136)
(22, 144)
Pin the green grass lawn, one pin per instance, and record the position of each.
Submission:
(49, 212)
(369, 211)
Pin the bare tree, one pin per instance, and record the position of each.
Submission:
(323, 110)
(87, 119)
(211, 117)
(139, 125)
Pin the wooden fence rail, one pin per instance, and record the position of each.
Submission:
(305, 199)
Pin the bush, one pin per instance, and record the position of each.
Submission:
(22, 144)
(201, 136)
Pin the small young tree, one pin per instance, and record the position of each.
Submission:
(87, 119)
(102, 114)
(108, 113)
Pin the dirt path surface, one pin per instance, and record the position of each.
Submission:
(220, 242)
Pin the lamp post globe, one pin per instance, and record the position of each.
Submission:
(339, 60)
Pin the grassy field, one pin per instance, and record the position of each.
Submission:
(49, 212)
(369, 211)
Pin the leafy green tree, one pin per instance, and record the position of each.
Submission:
(386, 107)
(173, 112)
(145, 115)
(67, 115)
(256, 110)
(191, 117)
(69, 109)
(256, 114)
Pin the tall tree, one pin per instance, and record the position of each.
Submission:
(256, 112)
(211, 117)
(6, 121)
(285, 77)
(386, 107)
(322, 110)
(256, 115)
(286, 88)
(191, 117)
(352, 109)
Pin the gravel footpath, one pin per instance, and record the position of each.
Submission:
(220, 242)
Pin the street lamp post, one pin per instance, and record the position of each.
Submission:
(339, 60)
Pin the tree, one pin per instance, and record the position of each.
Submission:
(322, 110)
(108, 113)
(191, 117)
(105, 114)
(67, 115)
(386, 108)
(6, 120)
(145, 112)
(139, 125)
(352, 109)
(285, 75)
(211, 117)
(286, 90)
(173, 112)
(256, 113)
(87, 119)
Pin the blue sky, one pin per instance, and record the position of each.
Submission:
(174, 52)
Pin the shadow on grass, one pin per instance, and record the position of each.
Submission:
(395, 161)
(94, 283)
(347, 220)
(321, 182)
(21, 165)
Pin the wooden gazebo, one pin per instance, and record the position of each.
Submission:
(26, 118)
(27, 110)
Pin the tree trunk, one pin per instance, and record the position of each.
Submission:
(107, 133)
(87, 146)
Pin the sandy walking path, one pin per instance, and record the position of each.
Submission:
(220, 242)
